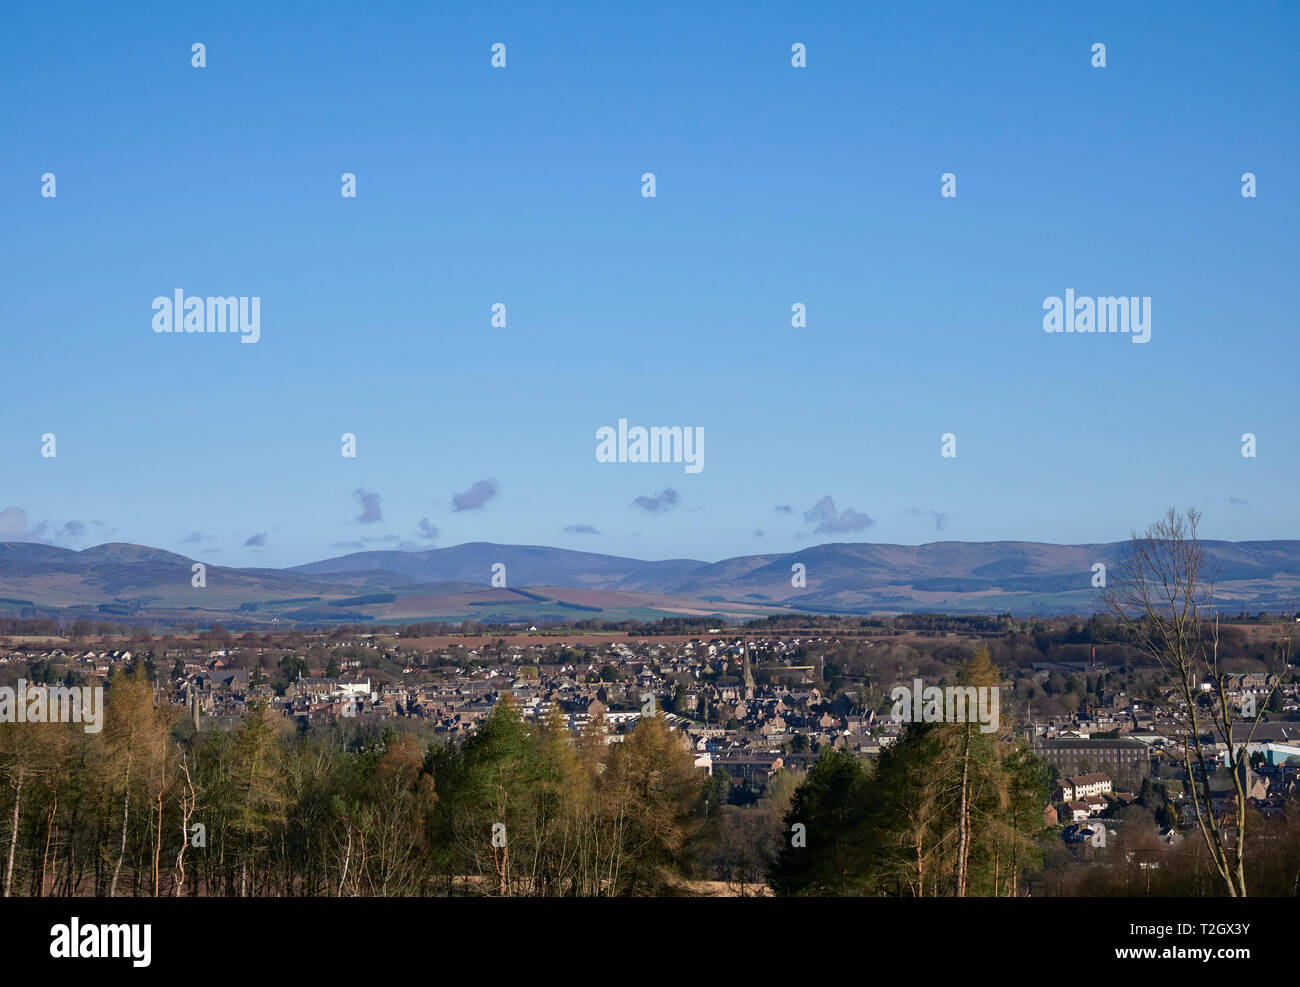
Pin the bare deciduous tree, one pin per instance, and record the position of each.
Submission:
(1162, 594)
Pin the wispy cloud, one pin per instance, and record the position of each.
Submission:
(829, 521)
(370, 509)
(426, 534)
(660, 502)
(580, 529)
(256, 541)
(475, 497)
(14, 526)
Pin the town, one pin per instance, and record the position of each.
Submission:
(749, 705)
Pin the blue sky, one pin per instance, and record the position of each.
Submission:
(521, 185)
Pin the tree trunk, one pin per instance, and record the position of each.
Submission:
(126, 805)
(13, 834)
(157, 845)
(45, 857)
(1015, 846)
(997, 859)
(963, 825)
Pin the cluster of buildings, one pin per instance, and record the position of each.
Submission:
(1123, 742)
(748, 705)
(729, 715)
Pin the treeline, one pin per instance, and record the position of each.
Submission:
(927, 622)
(149, 807)
(1057, 666)
(946, 810)
(49, 627)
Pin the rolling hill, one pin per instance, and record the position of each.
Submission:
(137, 582)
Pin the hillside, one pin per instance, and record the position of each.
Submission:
(135, 581)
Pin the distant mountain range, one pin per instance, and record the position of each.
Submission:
(135, 582)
